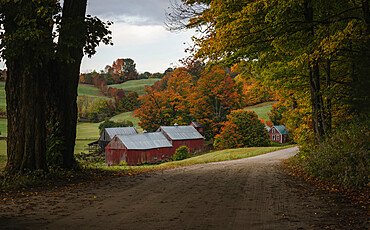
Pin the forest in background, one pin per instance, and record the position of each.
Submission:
(313, 54)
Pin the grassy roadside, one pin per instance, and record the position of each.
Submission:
(215, 156)
(93, 172)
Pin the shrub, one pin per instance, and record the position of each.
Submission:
(342, 158)
(181, 153)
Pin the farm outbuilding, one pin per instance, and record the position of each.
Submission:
(183, 135)
(138, 148)
(279, 134)
(198, 127)
(108, 134)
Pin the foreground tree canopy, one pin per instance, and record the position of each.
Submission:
(43, 45)
(316, 53)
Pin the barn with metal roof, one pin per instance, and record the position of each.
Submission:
(152, 147)
(108, 134)
(138, 148)
(198, 127)
(183, 135)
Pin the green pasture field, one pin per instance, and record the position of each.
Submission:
(3, 127)
(135, 85)
(2, 96)
(90, 91)
(87, 131)
(83, 90)
(262, 109)
(127, 116)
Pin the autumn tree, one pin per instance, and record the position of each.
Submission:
(167, 101)
(180, 98)
(303, 45)
(43, 73)
(243, 129)
(124, 69)
(216, 95)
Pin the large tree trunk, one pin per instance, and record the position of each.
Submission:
(318, 113)
(26, 118)
(25, 92)
(65, 82)
(316, 100)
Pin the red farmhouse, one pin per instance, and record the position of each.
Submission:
(183, 135)
(138, 148)
(279, 134)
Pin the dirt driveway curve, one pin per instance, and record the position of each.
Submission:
(250, 193)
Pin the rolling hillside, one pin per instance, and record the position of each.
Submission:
(262, 109)
(135, 85)
(90, 91)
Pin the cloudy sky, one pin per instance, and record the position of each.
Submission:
(138, 33)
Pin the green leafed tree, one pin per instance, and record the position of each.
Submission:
(43, 45)
(311, 50)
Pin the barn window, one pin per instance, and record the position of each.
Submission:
(273, 131)
(162, 155)
(273, 137)
(277, 137)
(166, 155)
(155, 157)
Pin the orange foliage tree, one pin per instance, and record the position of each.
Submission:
(166, 102)
(243, 129)
(178, 98)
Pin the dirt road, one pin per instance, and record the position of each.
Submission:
(250, 193)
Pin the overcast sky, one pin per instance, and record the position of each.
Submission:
(138, 33)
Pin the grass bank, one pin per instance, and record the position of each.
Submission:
(216, 156)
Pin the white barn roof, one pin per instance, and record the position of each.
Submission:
(109, 133)
(121, 130)
(143, 141)
(181, 132)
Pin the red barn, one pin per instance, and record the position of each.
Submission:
(183, 135)
(108, 134)
(138, 148)
(198, 127)
(279, 134)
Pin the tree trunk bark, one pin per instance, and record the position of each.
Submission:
(366, 15)
(64, 85)
(27, 62)
(328, 117)
(26, 118)
(318, 112)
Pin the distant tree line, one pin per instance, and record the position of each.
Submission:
(122, 70)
